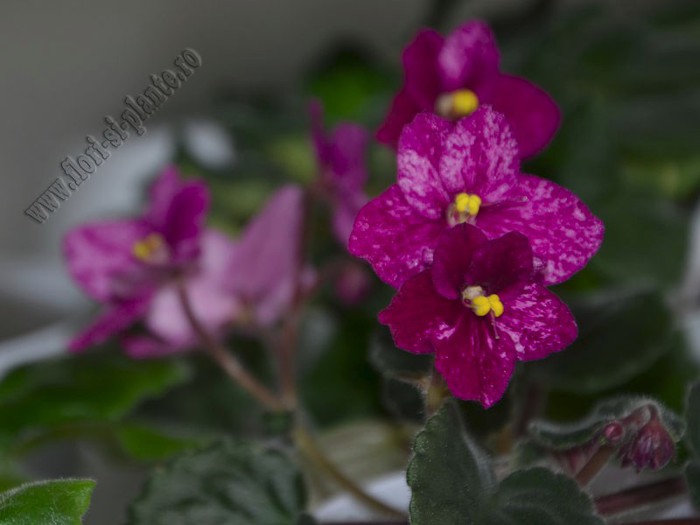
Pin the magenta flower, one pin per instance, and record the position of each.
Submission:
(468, 172)
(453, 76)
(128, 265)
(341, 160)
(480, 308)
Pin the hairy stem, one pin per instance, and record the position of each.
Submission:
(312, 451)
(594, 465)
(227, 361)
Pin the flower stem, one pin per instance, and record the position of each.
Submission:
(594, 465)
(435, 394)
(227, 361)
(640, 495)
(311, 449)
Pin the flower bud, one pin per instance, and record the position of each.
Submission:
(651, 448)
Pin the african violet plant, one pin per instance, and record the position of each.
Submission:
(469, 244)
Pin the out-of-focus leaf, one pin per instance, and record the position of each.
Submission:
(645, 240)
(57, 502)
(148, 443)
(231, 482)
(692, 478)
(672, 177)
(452, 481)
(620, 335)
(692, 418)
(351, 87)
(89, 389)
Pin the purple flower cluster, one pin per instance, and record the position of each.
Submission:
(469, 241)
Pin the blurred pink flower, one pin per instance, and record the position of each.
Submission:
(454, 75)
(341, 157)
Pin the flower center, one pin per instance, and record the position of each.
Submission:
(151, 249)
(482, 305)
(457, 104)
(464, 207)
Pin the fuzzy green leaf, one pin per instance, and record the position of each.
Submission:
(230, 483)
(57, 502)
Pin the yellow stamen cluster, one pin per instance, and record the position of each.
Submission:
(467, 204)
(146, 248)
(457, 104)
(481, 304)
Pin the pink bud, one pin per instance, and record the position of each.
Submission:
(651, 448)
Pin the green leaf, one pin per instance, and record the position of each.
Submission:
(57, 502)
(620, 336)
(230, 483)
(569, 435)
(645, 239)
(449, 476)
(397, 364)
(538, 497)
(147, 443)
(95, 388)
(452, 481)
(692, 419)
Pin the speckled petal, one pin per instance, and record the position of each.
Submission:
(537, 321)
(476, 365)
(418, 315)
(470, 59)
(115, 319)
(396, 240)
(563, 232)
(531, 112)
(420, 148)
(480, 156)
(100, 255)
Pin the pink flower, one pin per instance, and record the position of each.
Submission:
(129, 265)
(341, 160)
(652, 447)
(480, 308)
(454, 75)
(468, 172)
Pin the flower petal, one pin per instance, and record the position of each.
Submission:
(402, 111)
(348, 149)
(563, 232)
(480, 156)
(453, 257)
(418, 315)
(266, 267)
(538, 322)
(146, 347)
(161, 193)
(115, 319)
(476, 365)
(185, 221)
(397, 241)
(470, 59)
(531, 112)
(99, 258)
(502, 264)
(421, 68)
(420, 148)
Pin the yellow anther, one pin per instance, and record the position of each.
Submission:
(457, 104)
(481, 305)
(467, 204)
(496, 305)
(145, 249)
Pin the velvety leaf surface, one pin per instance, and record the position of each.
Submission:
(452, 481)
(230, 483)
(57, 502)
